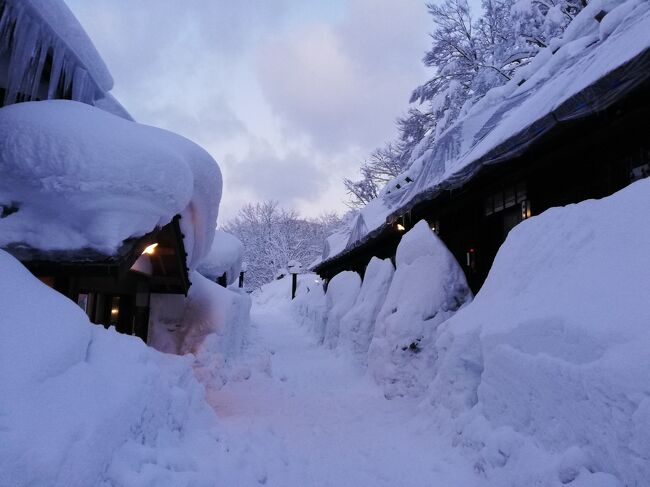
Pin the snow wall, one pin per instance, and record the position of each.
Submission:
(389, 322)
(543, 378)
(546, 372)
(81, 405)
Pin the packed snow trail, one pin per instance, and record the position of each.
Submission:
(314, 420)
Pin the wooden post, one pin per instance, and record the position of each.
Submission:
(294, 285)
(223, 280)
(241, 279)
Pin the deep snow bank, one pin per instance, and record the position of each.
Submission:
(358, 324)
(81, 406)
(211, 321)
(554, 350)
(428, 287)
(80, 177)
(310, 305)
(390, 321)
(341, 295)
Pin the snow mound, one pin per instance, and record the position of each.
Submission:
(83, 178)
(358, 324)
(342, 292)
(428, 287)
(551, 358)
(225, 257)
(210, 317)
(310, 306)
(81, 405)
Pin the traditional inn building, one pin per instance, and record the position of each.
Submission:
(573, 127)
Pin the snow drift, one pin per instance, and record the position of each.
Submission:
(390, 322)
(212, 320)
(552, 355)
(83, 178)
(428, 287)
(310, 306)
(81, 405)
(341, 295)
(358, 324)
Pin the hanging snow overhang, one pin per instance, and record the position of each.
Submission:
(45, 53)
(511, 119)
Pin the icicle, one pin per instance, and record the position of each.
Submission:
(30, 41)
(58, 53)
(82, 88)
(38, 71)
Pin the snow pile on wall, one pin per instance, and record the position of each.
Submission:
(83, 178)
(358, 324)
(390, 321)
(212, 323)
(310, 306)
(341, 295)
(547, 370)
(225, 256)
(80, 405)
(428, 287)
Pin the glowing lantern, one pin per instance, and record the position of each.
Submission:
(150, 249)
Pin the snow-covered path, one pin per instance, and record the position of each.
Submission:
(314, 420)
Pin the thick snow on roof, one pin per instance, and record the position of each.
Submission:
(82, 178)
(34, 28)
(225, 256)
(509, 117)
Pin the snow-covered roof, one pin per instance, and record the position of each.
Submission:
(76, 177)
(225, 256)
(592, 66)
(33, 30)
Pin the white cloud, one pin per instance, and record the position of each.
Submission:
(287, 95)
(344, 84)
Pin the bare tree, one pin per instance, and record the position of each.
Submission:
(273, 236)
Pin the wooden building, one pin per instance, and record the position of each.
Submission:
(593, 144)
(46, 54)
(115, 290)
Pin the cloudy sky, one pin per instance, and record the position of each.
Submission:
(287, 95)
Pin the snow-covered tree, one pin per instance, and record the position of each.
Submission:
(390, 160)
(274, 236)
(383, 165)
(469, 55)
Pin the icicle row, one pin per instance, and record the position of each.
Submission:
(27, 43)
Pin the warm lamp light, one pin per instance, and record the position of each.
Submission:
(114, 311)
(400, 227)
(149, 250)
